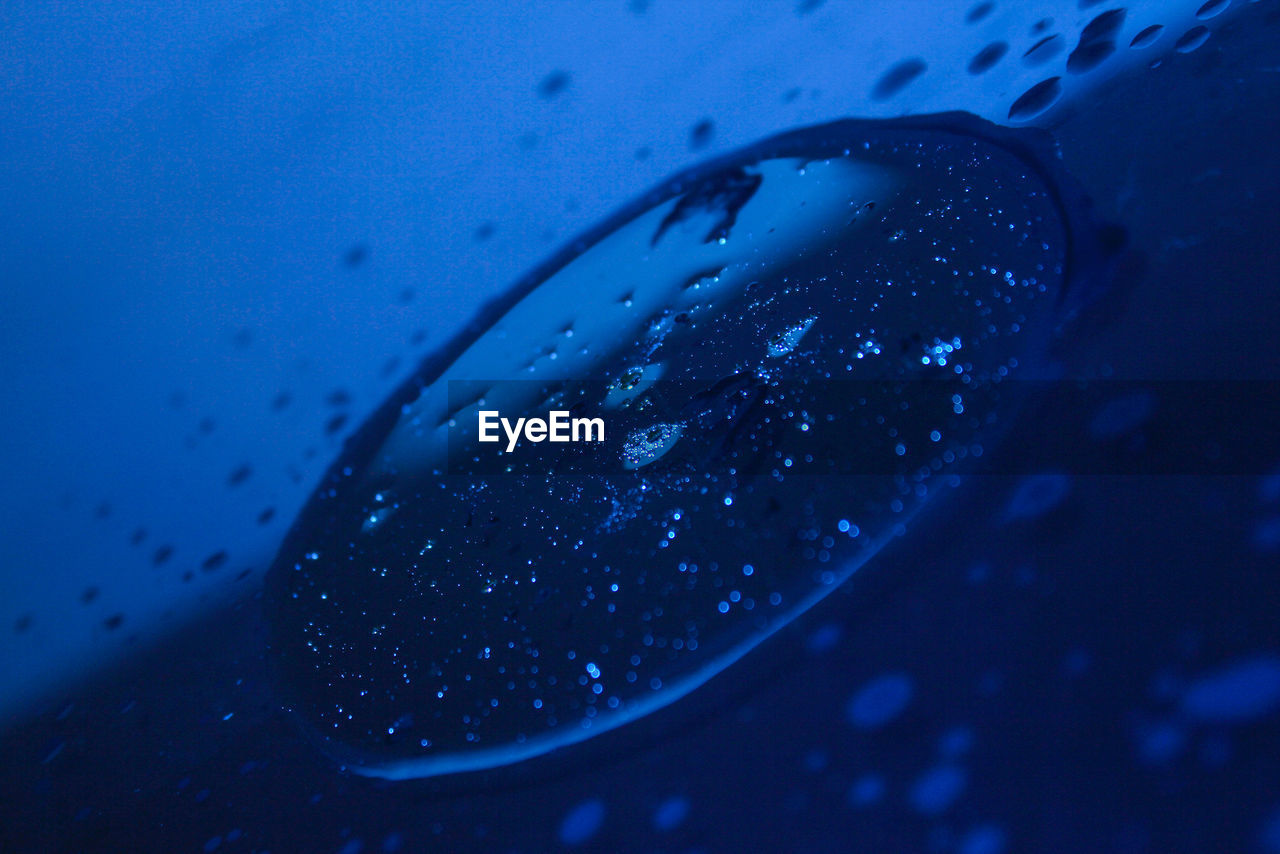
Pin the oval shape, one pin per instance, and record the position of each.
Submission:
(937, 789)
(1147, 36)
(671, 813)
(1036, 100)
(979, 12)
(582, 822)
(1192, 39)
(880, 700)
(1212, 9)
(985, 59)
(897, 78)
(1103, 27)
(520, 601)
(1242, 691)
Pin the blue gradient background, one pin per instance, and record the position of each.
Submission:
(182, 192)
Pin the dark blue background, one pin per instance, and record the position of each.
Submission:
(1092, 663)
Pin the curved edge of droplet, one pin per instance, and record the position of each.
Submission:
(489, 759)
(1092, 247)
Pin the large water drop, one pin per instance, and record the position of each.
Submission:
(863, 291)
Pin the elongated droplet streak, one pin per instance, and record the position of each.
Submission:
(790, 349)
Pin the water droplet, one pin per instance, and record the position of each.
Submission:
(648, 444)
(489, 615)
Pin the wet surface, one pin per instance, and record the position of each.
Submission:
(1072, 664)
